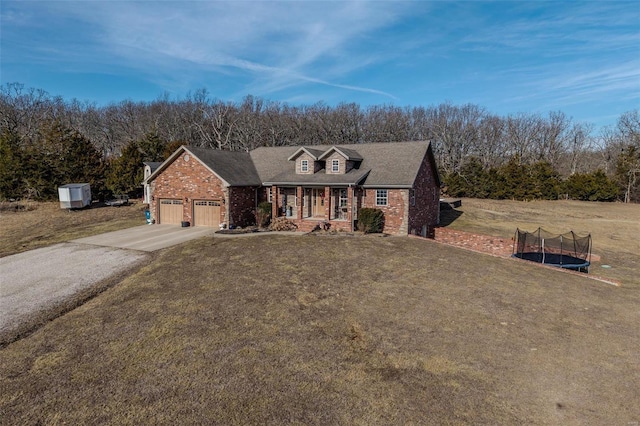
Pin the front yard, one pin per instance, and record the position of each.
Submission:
(333, 330)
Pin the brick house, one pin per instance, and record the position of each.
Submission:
(309, 185)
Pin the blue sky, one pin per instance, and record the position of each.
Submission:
(582, 58)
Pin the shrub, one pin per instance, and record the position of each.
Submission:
(282, 224)
(594, 186)
(547, 182)
(263, 214)
(11, 166)
(370, 220)
(513, 180)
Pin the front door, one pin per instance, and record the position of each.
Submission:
(317, 202)
(314, 202)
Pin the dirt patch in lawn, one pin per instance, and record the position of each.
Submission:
(43, 224)
(614, 228)
(340, 330)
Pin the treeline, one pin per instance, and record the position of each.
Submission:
(538, 181)
(471, 144)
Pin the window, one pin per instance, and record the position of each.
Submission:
(207, 203)
(382, 198)
(343, 199)
(270, 194)
(335, 166)
(340, 204)
(304, 166)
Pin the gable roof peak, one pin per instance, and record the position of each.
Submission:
(233, 168)
(312, 152)
(349, 154)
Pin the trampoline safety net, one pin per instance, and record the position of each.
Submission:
(568, 250)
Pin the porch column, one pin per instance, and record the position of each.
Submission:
(350, 194)
(274, 202)
(226, 201)
(327, 202)
(299, 202)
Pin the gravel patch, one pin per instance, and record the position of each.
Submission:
(39, 279)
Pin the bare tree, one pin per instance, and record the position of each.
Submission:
(490, 144)
(455, 133)
(579, 144)
(24, 111)
(552, 138)
(458, 133)
(217, 126)
(522, 133)
(628, 163)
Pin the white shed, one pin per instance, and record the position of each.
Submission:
(74, 195)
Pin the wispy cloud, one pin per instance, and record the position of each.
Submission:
(512, 56)
(564, 29)
(279, 43)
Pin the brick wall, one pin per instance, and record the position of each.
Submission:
(187, 181)
(395, 212)
(427, 200)
(497, 246)
(242, 205)
(400, 217)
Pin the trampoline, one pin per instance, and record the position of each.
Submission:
(568, 251)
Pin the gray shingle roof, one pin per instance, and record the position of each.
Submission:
(153, 165)
(394, 164)
(290, 177)
(350, 154)
(235, 167)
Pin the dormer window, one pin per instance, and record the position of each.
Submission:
(304, 166)
(340, 160)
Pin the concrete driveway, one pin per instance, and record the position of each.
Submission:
(45, 278)
(147, 237)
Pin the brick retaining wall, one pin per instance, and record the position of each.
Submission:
(497, 246)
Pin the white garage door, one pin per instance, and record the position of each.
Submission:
(206, 213)
(170, 211)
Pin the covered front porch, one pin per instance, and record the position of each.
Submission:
(310, 206)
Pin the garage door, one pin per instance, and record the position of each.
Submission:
(206, 213)
(170, 211)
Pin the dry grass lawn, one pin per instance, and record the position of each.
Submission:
(333, 330)
(614, 227)
(43, 224)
